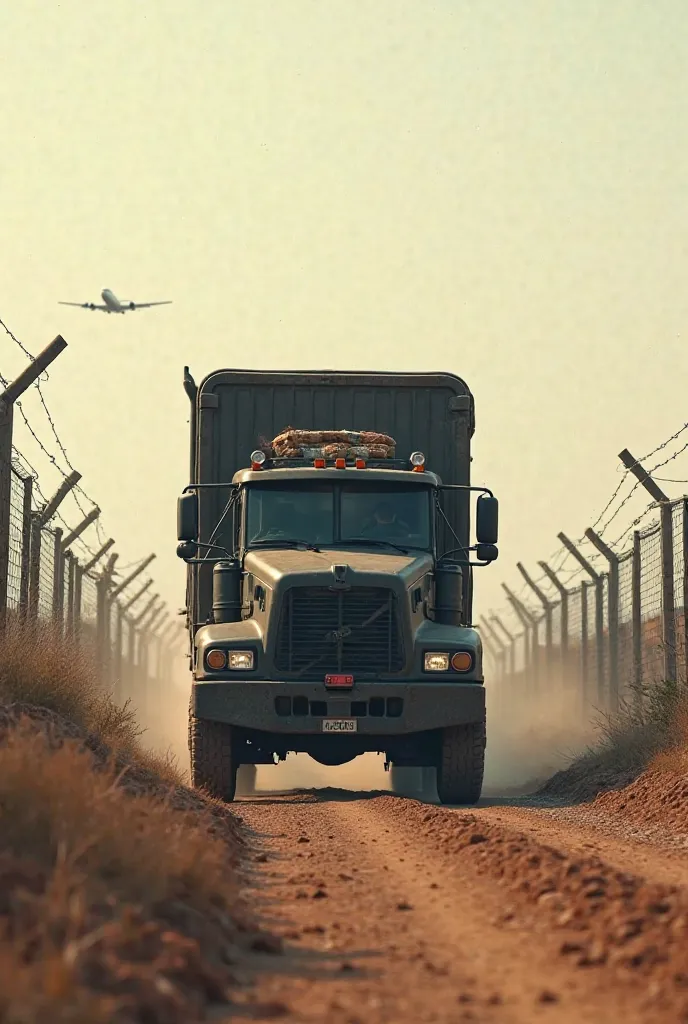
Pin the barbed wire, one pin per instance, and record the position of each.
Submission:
(29, 470)
(561, 556)
(663, 444)
(77, 487)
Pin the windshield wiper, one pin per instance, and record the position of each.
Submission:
(369, 542)
(283, 542)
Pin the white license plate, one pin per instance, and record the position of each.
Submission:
(340, 725)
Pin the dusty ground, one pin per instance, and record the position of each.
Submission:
(394, 910)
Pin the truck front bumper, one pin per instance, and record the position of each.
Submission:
(379, 708)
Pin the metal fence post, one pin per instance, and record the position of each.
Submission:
(76, 603)
(26, 549)
(101, 609)
(585, 660)
(71, 575)
(547, 606)
(598, 582)
(684, 511)
(613, 615)
(666, 514)
(666, 517)
(8, 397)
(530, 625)
(564, 604)
(637, 622)
(35, 566)
(58, 580)
(511, 641)
(119, 640)
(498, 648)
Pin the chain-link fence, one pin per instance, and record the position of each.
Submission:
(612, 635)
(129, 632)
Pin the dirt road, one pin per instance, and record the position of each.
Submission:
(394, 910)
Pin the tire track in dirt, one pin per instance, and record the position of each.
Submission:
(393, 910)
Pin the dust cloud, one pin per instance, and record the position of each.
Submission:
(529, 737)
(162, 710)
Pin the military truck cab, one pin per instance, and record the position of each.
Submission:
(329, 599)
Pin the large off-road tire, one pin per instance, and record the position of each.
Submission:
(213, 768)
(246, 780)
(462, 763)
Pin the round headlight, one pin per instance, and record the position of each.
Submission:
(216, 659)
(417, 459)
(257, 458)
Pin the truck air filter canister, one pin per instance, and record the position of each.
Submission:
(448, 594)
(227, 591)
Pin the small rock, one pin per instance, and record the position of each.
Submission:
(346, 967)
(404, 906)
(319, 894)
(303, 839)
(261, 858)
(547, 996)
(569, 947)
(477, 837)
(270, 1011)
(346, 878)
(267, 944)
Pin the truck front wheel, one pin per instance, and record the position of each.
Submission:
(213, 768)
(462, 763)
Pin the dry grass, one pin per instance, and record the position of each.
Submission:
(40, 669)
(107, 902)
(118, 887)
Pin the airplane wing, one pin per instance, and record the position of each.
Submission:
(83, 305)
(145, 305)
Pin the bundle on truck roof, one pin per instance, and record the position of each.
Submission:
(331, 444)
(329, 589)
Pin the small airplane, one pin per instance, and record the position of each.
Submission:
(114, 305)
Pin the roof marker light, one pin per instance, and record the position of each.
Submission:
(417, 460)
(340, 463)
(257, 459)
(319, 463)
(360, 464)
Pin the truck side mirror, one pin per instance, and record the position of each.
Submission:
(487, 519)
(487, 552)
(187, 517)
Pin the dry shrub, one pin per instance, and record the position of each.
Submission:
(112, 907)
(649, 730)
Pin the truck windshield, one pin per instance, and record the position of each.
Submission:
(329, 514)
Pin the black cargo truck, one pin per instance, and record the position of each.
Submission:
(329, 600)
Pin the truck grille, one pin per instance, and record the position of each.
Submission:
(323, 631)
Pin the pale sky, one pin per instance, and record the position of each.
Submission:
(494, 189)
